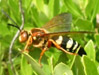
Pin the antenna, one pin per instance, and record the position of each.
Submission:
(11, 20)
(14, 26)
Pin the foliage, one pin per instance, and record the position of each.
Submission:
(54, 62)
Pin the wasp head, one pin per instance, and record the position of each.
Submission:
(23, 36)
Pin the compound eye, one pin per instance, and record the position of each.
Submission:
(23, 36)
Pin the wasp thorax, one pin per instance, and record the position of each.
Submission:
(23, 36)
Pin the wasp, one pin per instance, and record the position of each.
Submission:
(56, 33)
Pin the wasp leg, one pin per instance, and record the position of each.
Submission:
(42, 53)
(59, 47)
(29, 42)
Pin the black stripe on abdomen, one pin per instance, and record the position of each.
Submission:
(68, 44)
(71, 45)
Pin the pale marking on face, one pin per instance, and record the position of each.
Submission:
(75, 46)
(20, 38)
(59, 40)
(34, 38)
(69, 43)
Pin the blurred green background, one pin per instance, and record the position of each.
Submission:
(54, 62)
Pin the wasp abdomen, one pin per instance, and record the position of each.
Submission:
(68, 44)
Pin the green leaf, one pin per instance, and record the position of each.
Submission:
(97, 65)
(43, 18)
(4, 28)
(9, 69)
(14, 10)
(78, 68)
(40, 5)
(35, 66)
(95, 10)
(89, 66)
(56, 7)
(14, 6)
(90, 50)
(35, 16)
(50, 61)
(1, 70)
(97, 39)
(25, 67)
(53, 8)
(62, 69)
(72, 8)
(27, 4)
(55, 53)
(89, 7)
(84, 25)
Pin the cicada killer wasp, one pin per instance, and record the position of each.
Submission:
(56, 33)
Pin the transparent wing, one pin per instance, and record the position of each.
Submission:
(60, 23)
